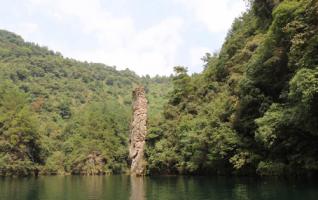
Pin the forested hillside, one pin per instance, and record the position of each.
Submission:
(254, 109)
(58, 115)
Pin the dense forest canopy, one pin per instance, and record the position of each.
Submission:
(58, 115)
(253, 110)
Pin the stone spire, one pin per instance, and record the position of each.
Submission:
(138, 131)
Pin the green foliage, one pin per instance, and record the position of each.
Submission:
(61, 116)
(270, 168)
(254, 108)
(269, 125)
(304, 87)
(19, 133)
(194, 136)
(96, 131)
(55, 164)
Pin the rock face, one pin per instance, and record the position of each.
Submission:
(138, 131)
(93, 164)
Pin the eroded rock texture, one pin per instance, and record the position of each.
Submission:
(93, 164)
(138, 131)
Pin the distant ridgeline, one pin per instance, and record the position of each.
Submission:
(254, 109)
(59, 116)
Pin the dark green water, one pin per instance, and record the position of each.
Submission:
(163, 188)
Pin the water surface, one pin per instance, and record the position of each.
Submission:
(154, 188)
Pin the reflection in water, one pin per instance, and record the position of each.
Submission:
(240, 191)
(154, 188)
(137, 188)
(94, 185)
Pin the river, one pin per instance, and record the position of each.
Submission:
(154, 188)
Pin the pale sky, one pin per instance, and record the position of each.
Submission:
(146, 36)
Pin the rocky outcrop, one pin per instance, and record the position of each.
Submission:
(138, 131)
(93, 164)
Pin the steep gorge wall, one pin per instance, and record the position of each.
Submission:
(138, 131)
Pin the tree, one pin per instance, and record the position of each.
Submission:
(20, 141)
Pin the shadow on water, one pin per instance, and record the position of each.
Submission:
(154, 188)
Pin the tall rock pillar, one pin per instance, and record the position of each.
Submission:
(138, 131)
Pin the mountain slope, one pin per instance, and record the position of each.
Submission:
(254, 108)
(79, 112)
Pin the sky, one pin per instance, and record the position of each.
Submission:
(146, 36)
